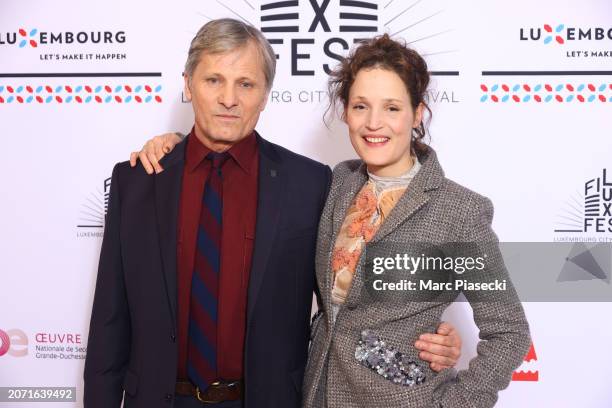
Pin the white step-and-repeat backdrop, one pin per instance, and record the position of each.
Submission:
(521, 88)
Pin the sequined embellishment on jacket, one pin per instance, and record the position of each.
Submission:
(372, 352)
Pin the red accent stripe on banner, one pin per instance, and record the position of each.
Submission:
(494, 98)
(516, 98)
(118, 98)
(107, 88)
(98, 99)
(138, 98)
(148, 88)
(158, 98)
(483, 87)
(570, 87)
(19, 99)
(128, 88)
(88, 88)
(10, 89)
(505, 87)
(39, 99)
(22, 32)
(548, 88)
(537, 98)
(29, 89)
(527, 88)
(591, 87)
(581, 98)
(78, 99)
(548, 28)
(58, 99)
(68, 89)
(602, 98)
(559, 98)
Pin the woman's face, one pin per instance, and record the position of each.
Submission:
(380, 119)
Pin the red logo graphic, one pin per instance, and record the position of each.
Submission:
(13, 342)
(28, 38)
(527, 375)
(549, 30)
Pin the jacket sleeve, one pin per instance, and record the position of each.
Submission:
(109, 330)
(504, 331)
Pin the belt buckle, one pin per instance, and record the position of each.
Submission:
(199, 395)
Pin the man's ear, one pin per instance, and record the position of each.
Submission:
(418, 115)
(187, 88)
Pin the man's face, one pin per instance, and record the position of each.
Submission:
(227, 92)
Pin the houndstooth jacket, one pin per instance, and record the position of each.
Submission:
(437, 210)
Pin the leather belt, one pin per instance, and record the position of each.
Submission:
(218, 391)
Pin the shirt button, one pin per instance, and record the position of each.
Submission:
(169, 397)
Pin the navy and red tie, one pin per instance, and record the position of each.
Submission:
(202, 344)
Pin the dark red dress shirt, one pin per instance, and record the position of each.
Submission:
(237, 237)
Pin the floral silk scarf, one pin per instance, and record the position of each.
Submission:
(362, 221)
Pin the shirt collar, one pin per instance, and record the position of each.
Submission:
(242, 152)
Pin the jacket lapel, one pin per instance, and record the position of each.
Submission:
(429, 177)
(351, 185)
(416, 196)
(167, 195)
(271, 182)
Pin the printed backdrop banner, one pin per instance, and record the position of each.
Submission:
(521, 96)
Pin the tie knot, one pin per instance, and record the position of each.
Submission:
(217, 159)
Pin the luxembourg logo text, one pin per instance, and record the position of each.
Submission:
(563, 35)
(35, 38)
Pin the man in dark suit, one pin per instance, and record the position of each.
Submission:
(206, 273)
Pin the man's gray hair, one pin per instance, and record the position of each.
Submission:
(227, 34)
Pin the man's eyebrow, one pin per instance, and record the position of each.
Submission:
(252, 79)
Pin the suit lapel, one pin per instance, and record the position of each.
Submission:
(271, 182)
(167, 195)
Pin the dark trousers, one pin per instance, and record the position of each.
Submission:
(181, 401)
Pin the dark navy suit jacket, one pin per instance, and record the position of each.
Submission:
(132, 337)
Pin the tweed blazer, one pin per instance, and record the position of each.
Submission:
(433, 209)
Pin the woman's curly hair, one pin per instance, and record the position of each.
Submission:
(386, 53)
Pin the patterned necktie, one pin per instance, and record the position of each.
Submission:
(202, 346)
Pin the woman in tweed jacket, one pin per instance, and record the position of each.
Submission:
(397, 194)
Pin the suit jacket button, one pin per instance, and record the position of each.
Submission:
(173, 338)
(169, 397)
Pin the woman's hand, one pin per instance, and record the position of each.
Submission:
(442, 350)
(154, 150)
